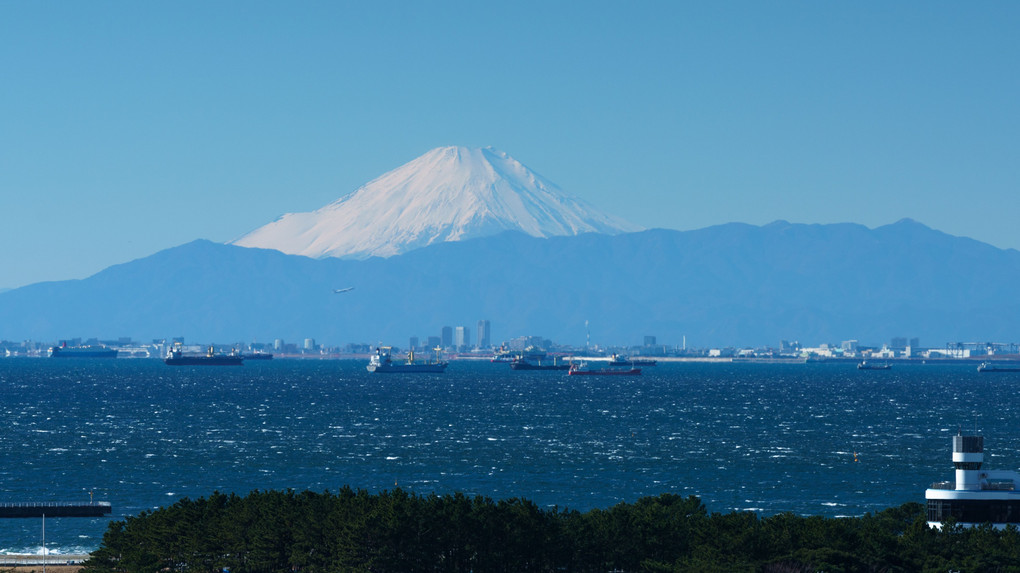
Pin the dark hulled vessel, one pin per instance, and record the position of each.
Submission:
(999, 367)
(65, 351)
(865, 365)
(585, 369)
(175, 356)
(536, 359)
(539, 364)
(382, 363)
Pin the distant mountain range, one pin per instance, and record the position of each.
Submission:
(473, 234)
(730, 284)
(447, 194)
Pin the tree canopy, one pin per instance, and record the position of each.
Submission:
(353, 530)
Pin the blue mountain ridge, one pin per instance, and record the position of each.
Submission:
(733, 284)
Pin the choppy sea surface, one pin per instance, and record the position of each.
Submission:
(812, 439)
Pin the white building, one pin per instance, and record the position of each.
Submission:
(461, 337)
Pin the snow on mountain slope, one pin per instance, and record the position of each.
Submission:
(447, 194)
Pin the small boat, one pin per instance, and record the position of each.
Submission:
(865, 365)
(175, 356)
(998, 367)
(583, 369)
(382, 363)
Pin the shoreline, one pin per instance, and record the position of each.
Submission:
(26, 562)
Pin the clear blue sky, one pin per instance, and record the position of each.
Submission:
(130, 127)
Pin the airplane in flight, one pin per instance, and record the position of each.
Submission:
(340, 290)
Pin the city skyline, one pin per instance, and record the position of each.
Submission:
(143, 127)
(447, 340)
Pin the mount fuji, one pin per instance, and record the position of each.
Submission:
(447, 194)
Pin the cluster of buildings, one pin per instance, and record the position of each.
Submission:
(456, 339)
(896, 348)
(453, 340)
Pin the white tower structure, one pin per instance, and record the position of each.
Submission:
(977, 495)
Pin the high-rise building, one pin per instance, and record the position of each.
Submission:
(447, 336)
(461, 337)
(413, 343)
(483, 334)
(649, 341)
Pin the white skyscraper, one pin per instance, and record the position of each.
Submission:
(484, 334)
(461, 337)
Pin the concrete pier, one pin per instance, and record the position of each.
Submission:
(55, 509)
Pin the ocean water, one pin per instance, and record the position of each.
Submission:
(812, 439)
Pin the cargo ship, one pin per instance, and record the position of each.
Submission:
(583, 369)
(536, 359)
(175, 356)
(65, 351)
(382, 363)
(999, 367)
(865, 365)
(503, 355)
(525, 363)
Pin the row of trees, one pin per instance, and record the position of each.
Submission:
(352, 530)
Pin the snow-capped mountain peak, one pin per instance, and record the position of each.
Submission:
(447, 194)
